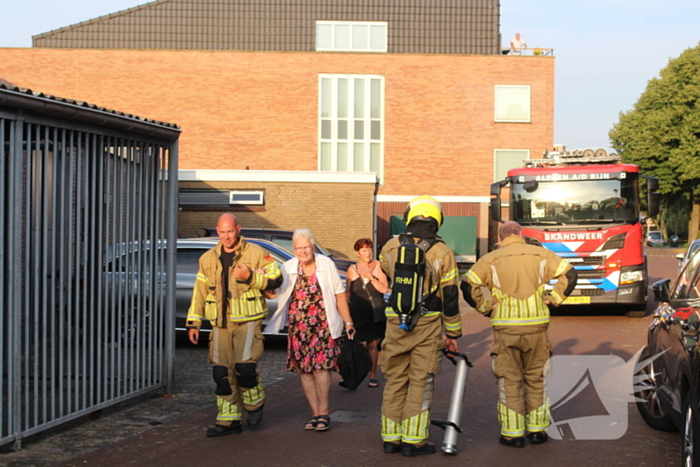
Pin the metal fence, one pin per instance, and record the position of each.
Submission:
(84, 323)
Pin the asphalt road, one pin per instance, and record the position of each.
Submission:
(596, 421)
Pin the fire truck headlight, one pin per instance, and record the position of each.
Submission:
(631, 276)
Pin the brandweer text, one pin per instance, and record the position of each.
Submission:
(567, 236)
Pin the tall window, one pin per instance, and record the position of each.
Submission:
(506, 159)
(351, 36)
(351, 123)
(512, 104)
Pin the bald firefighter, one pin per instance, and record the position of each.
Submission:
(516, 276)
(411, 351)
(229, 294)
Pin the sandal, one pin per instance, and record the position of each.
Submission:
(323, 422)
(311, 424)
(373, 383)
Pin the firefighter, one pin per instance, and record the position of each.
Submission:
(516, 275)
(229, 293)
(412, 358)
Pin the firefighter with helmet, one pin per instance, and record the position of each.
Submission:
(412, 358)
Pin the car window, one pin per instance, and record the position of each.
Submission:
(683, 284)
(693, 248)
(284, 242)
(188, 260)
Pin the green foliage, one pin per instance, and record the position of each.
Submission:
(662, 133)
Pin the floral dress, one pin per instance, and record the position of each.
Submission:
(309, 343)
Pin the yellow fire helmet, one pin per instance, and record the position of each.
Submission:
(425, 206)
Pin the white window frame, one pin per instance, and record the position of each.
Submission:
(335, 28)
(500, 115)
(496, 178)
(330, 142)
(254, 202)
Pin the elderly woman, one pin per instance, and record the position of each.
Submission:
(366, 286)
(312, 299)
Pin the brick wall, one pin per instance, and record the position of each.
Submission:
(260, 109)
(337, 213)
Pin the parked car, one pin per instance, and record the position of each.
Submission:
(668, 382)
(684, 257)
(655, 238)
(282, 238)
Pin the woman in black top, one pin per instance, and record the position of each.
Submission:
(366, 287)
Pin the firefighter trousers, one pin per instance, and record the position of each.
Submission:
(234, 352)
(410, 361)
(520, 362)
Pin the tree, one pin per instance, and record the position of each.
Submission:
(661, 134)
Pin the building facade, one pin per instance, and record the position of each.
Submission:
(417, 94)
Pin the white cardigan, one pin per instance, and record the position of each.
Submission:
(331, 285)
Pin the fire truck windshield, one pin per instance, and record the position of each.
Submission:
(575, 202)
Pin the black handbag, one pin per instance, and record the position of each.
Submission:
(378, 305)
(354, 363)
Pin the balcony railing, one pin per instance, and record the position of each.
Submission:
(533, 52)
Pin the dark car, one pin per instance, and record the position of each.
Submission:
(668, 384)
(282, 238)
(189, 250)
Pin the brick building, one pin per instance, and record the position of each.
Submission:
(375, 101)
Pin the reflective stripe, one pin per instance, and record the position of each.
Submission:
(426, 393)
(453, 327)
(391, 431)
(249, 335)
(202, 277)
(519, 321)
(538, 419)
(473, 277)
(194, 318)
(512, 423)
(561, 268)
(226, 411)
(253, 396)
(513, 311)
(450, 275)
(494, 277)
(415, 429)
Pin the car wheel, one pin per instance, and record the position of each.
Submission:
(648, 402)
(690, 435)
(636, 313)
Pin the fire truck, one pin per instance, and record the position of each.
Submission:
(584, 205)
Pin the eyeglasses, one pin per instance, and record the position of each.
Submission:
(302, 248)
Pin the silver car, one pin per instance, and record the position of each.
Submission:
(188, 253)
(684, 257)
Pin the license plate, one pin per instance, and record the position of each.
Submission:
(577, 300)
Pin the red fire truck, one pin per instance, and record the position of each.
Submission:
(584, 205)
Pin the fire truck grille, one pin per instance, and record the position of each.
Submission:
(591, 274)
(592, 292)
(586, 260)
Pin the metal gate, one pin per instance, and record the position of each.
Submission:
(86, 303)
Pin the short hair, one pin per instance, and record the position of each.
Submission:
(509, 228)
(304, 233)
(363, 243)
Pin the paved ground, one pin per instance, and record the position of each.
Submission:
(192, 394)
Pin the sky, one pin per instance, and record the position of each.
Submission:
(606, 50)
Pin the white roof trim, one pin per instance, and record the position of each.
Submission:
(293, 176)
(442, 199)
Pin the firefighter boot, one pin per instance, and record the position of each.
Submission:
(255, 418)
(410, 450)
(223, 430)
